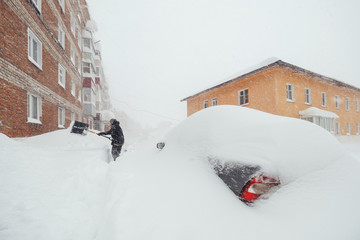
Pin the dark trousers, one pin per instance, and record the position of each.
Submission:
(115, 150)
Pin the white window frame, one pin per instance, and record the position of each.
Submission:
(347, 104)
(214, 101)
(337, 102)
(61, 36)
(72, 24)
(72, 55)
(30, 108)
(72, 116)
(62, 76)
(206, 104)
(62, 5)
(357, 106)
(243, 97)
(79, 38)
(323, 99)
(31, 39)
(308, 96)
(37, 4)
(338, 129)
(290, 93)
(348, 127)
(61, 117)
(357, 128)
(73, 88)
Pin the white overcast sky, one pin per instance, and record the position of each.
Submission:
(157, 52)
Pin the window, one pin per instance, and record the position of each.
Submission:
(214, 101)
(37, 4)
(79, 96)
(61, 117)
(62, 5)
(338, 128)
(72, 24)
(34, 105)
(348, 128)
(347, 104)
(61, 37)
(72, 116)
(72, 55)
(290, 92)
(323, 99)
(307, 96)
(357, 105)
(87, 42)
(337, 102)
(357, 128)
(86, 67)
(34, 49)
(206, 104)
(73, 88)
(244, 97)
(79, 39)
(79, 66)
(62, 76)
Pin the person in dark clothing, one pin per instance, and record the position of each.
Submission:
(117, 137)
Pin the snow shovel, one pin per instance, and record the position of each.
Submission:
(80, 128)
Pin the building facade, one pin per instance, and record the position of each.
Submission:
(284, 89)
(43, 64)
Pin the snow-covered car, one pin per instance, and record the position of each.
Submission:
(252, 152)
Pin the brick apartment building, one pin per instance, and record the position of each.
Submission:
(50, 67)
(284, 89)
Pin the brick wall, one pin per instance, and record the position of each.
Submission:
(18, 75)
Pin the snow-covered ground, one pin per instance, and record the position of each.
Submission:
(62, 185)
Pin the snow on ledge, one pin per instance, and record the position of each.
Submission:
(313, 111)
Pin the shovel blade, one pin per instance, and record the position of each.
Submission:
(80, 128)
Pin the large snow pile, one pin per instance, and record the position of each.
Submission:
(60, 185)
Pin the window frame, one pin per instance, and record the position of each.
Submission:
(323, 99)
(245, 97)
(206, 104)
(73, 88)
(62, 5)
(61, 80)
(289, 92)
(30, 109)
(347, 104)
(337, 102)
(61, 36)
(337, 128)
(61, 117)
(31, 39)
(37, 4)
(213, 100)
(308, 96)
(357, 105)
(348, 129)
(72, 55)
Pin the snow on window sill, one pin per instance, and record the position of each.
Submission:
(308, 104)
(61, 126)
(35, 121)
(289, 100)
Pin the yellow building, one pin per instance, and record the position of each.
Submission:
(287, 90)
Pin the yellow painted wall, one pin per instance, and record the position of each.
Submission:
(267, 92)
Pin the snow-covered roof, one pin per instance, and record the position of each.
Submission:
(316, 112)
(271, 63)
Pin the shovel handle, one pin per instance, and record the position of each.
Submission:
(101, 135)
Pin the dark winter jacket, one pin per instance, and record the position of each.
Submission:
(116, 133)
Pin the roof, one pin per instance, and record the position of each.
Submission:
(283, 65)
(316, 112)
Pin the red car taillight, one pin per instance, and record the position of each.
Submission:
(256, 187)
